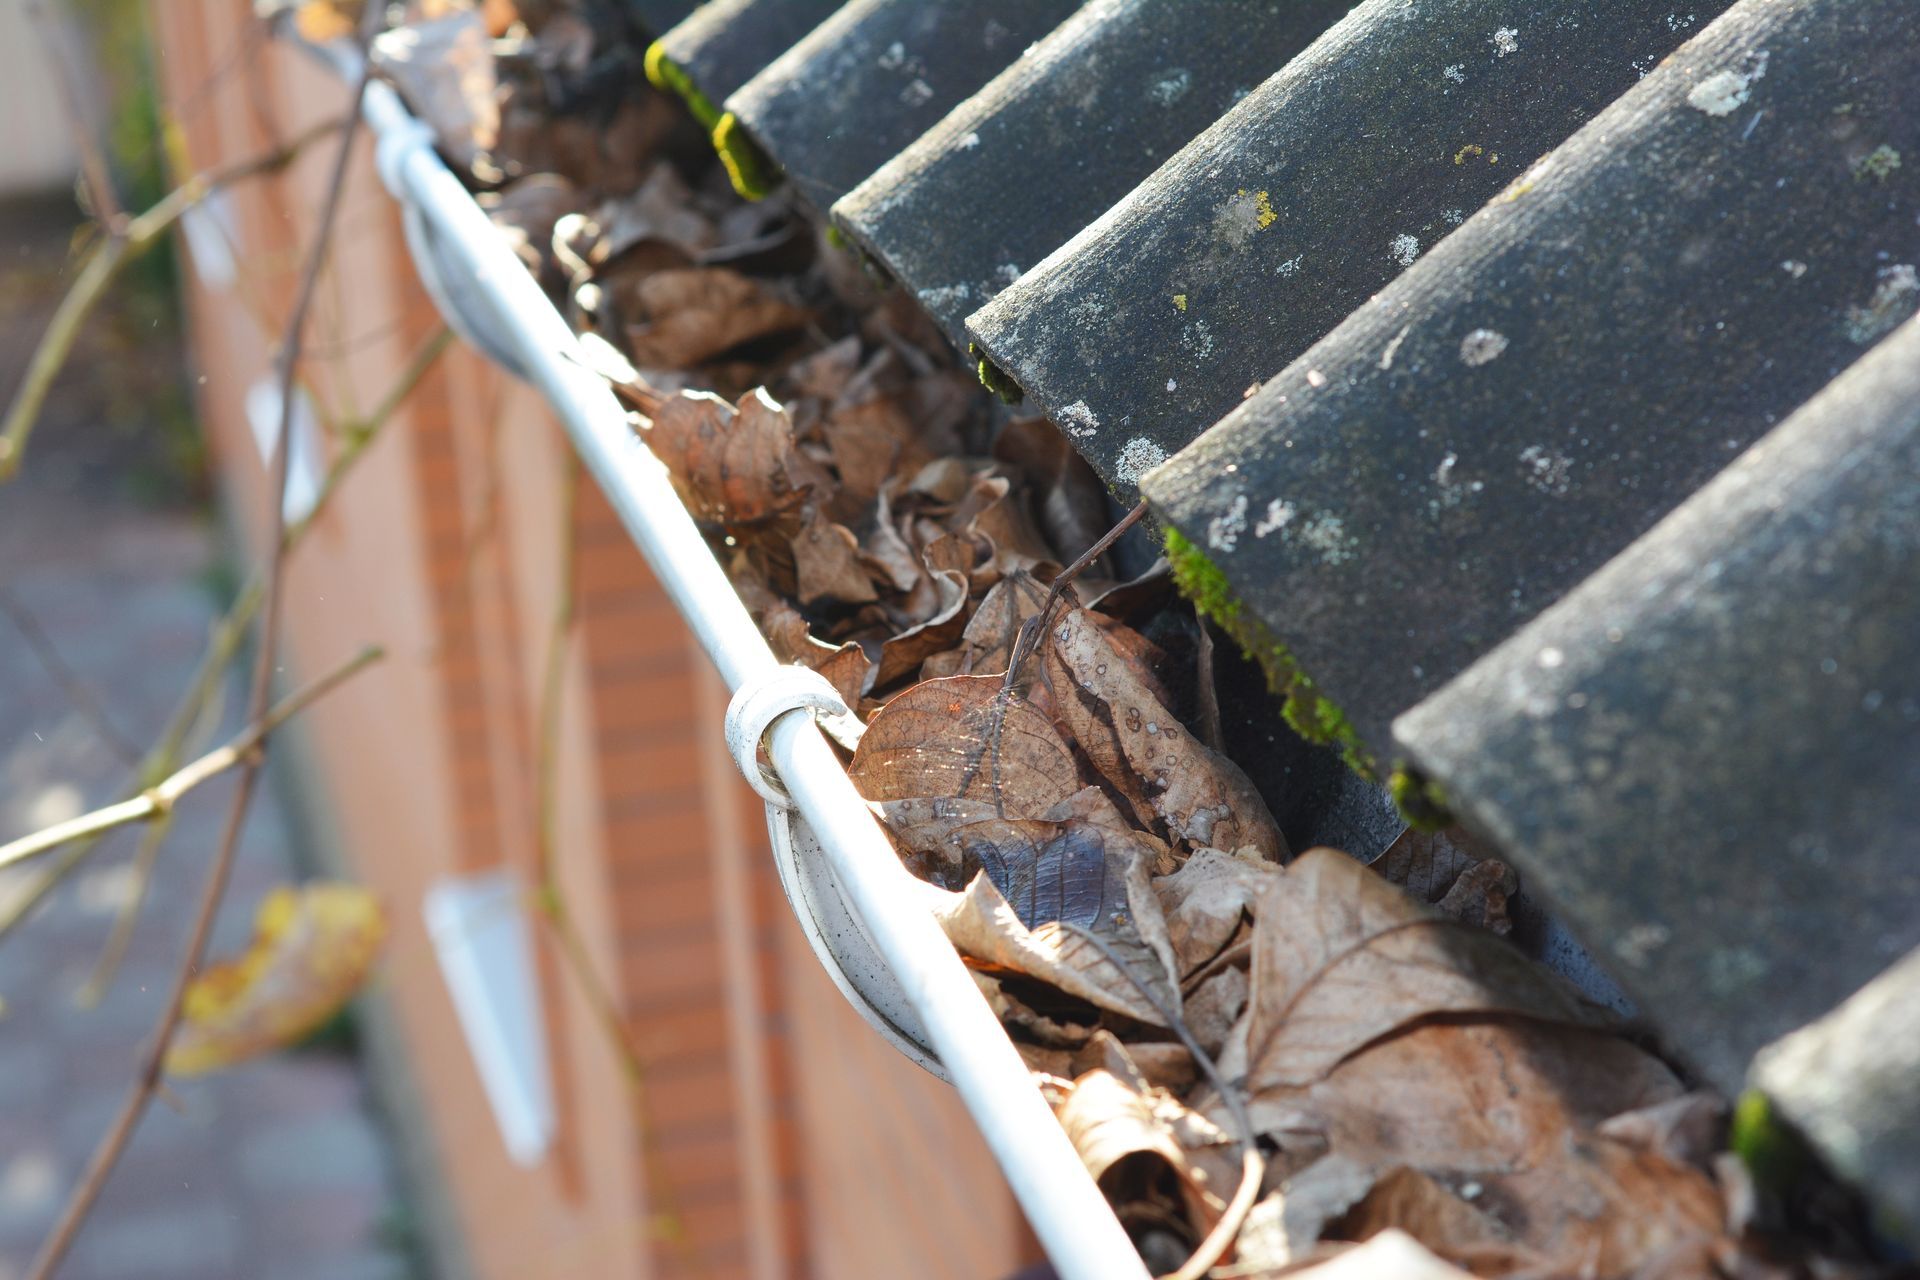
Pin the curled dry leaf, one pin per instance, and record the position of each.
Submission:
(313, 948)
(1342, 958)
(688, 316)
(1130, 1135)
(444, 68)
(845, 665)
(982, 925)
(731, 466)
(826, 559)
(1207, 904)
(1204, 798)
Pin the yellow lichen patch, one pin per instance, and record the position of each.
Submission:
(1471, 149)
(1519, 188)
(1264, 207)
(1179, 302)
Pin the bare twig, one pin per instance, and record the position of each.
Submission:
(157, 802)
(549, 897)
(102, 263)
(147, 1079)
(164, 757)
(93, 164)
(1032, 628)
(1253, 1165)
(67, 680)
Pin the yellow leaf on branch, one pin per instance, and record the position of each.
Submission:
(313, 948)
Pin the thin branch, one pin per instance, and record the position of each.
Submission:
(158, 802)
(84, 1195)
(549, 897)
(102, 263)
(1030, 631)
(93, 164)
(67, 680)
(164, 757)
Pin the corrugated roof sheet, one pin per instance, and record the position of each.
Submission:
(1709, 752)
(1089, 112)
(875, 76)
(1320, 188)
(1453, 428)
(1580, 356)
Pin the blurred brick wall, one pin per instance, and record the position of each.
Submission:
(785, 1138)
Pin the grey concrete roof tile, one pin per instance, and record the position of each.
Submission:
(875, 76)
(1056, 138)
(1315, 192)
(1588, 350)
(1709, 753)
(725, 43)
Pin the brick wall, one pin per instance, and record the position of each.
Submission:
(784, 1137)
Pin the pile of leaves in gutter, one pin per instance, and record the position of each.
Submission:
(1263, 1055)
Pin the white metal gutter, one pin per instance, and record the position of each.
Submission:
(863, 912)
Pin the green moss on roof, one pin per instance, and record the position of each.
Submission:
(751, 173)
(1309, 712)
(670, 77)
(993, 378)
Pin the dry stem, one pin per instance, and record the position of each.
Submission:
(103, 262)
(147, 1079)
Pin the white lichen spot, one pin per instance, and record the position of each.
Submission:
(1173, 384)
(1404, 249)
(1505, 41)
(1291, 265)
(1794, 268)
(968, 141)
(1481, 347)
(1326, 533)
(1140, 456)
(894, 57)
(1279, 516)
(1456, 73)
(1008, 273)
(1548, 470)
(1315, 378)
(1197, 338)
(1677, 23)
(1171, 86)
(916, 94)
(1077, 419)
(1724, 92)
(1454, 217)
(1393, 348)
(943, 297)
(1223, 532)
(1894, 299)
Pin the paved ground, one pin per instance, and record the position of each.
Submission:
(277, 1170)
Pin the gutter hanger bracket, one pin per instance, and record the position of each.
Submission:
(761, 701)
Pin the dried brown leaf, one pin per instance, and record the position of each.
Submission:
(1342, 958)
(1207, 903)
(981, 924)
(1130, 1134)
(687, 316)
(845, 665)
(1504, 1113)
(444, 68)
(966, 738)
(730, 465)
(826, 561)
(1204, 799)
(902, 655)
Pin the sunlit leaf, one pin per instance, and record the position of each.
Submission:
(313, 948)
